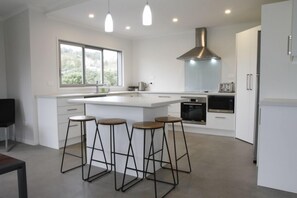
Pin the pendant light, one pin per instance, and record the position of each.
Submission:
(108, 21)
(147, 15)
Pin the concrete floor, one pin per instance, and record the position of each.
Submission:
(222, 168)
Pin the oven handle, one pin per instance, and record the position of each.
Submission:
(189, 103)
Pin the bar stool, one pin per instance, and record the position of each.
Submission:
(173, 120)
(152, 126)
(111, 122)
(82, 119)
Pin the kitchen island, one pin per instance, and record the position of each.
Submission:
(131, 108)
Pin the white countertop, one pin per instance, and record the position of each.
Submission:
(131, 101)
(68, 95)
(278, 102)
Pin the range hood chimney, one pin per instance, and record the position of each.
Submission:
(200, 52)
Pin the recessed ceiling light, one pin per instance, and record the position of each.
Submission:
(128, 27)
(175, 20)
(91, 16)
(228, 11)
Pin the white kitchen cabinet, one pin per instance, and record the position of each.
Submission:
(53, 116)
(277, 73)
(222, 121)
(246, 83)
(293, 30)
(277, 158)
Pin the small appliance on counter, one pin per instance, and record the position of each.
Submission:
(142, 86)
(227, 87)
(133, 88)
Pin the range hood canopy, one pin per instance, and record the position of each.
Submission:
(200, 52)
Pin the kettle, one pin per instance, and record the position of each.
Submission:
(141, 86)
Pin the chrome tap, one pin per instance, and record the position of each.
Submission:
(97, 87)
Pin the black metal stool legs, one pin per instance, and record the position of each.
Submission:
(175, 153)
(152, 153)
(83, 151)
(105, 171)
(186, 146)
(126, 186)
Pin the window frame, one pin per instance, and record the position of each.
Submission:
(84, 46)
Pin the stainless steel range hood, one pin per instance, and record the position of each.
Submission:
(200, 52)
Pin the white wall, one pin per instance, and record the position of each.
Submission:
(155, 59)
(18, 73)
(44, 34)
(32, 62)
(2, 64)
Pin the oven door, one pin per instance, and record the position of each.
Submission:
(193, 112)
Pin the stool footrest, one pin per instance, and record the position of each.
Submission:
(65, 171)
(181, 156)
(131, 184)
(74, 155)
(98, 175)
(183, 171)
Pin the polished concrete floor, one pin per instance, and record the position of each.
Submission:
(222, 167)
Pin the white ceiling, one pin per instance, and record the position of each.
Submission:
(191, 13)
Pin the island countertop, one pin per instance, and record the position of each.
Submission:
(130, 101)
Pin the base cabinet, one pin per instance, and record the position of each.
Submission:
(53, 116)
(223, 121)
(277, 158)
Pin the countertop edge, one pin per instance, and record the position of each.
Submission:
(279, 102)
(68, 95)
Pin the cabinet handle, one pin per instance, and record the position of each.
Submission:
(73, 125)
(164, 97)
(259, 118)
(251, 81)
(219, 117)
(247, 82)
(289, 45)
(193, 104)
(71, 109)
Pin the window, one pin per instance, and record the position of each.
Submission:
(82, 65)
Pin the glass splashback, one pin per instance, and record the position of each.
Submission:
(202, 75)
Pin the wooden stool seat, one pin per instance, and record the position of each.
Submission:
(148, 125)
(81, 118)
(112, 121)
(168, 119)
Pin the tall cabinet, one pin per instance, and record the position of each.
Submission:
(246, 86)
(277, 158)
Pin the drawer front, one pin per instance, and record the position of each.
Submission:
(63, 118)
(64, 101)
(221, 121)
(73, 109)
(74, 130)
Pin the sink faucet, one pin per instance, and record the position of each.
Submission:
(97, 87)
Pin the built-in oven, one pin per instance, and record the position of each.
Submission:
(194, 110)
(221, 103)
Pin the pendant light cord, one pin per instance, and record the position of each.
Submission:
(108, 6)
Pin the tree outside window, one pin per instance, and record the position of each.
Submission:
(82, 65)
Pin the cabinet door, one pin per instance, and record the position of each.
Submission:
(246, 53)
(278, 75)
(294, 29)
